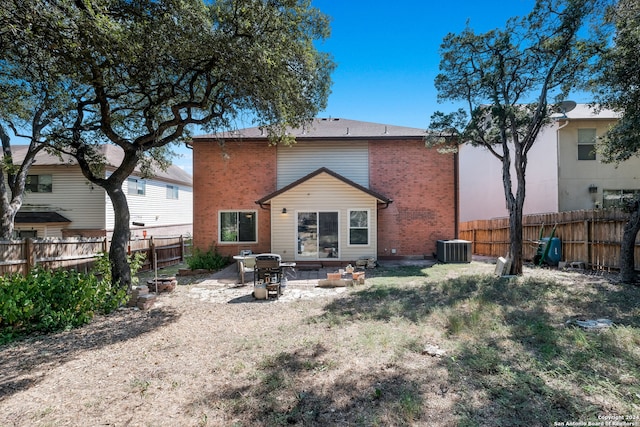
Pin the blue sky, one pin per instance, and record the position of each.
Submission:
(387, 54)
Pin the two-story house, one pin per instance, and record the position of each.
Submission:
(60, 202)
(345, 190)
(564, 171)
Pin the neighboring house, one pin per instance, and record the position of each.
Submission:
(60, 202)
(564, 172)
(345, 190)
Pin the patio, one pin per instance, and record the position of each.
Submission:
(224, 287)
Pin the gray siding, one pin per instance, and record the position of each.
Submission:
(302, 158)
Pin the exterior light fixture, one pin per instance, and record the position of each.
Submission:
(284, 210)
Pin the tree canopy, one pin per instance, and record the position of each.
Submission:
(508, 79)
(617, 86)
(139, 74)
(618, 83)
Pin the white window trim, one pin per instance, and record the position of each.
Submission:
(620, 194)
(318, 212)
(139, 182)
(174, 190)
(592, 144)
(38, 175)
(219, 237)
(358, 245)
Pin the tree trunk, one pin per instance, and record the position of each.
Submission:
(7, 217)
(120, 269)
(627, 260)
(515, 203)
(7, 214)
(515, 240)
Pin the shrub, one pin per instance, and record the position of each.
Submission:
(210, 260)
(47, 301)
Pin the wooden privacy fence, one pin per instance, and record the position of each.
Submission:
(163, 251)
(592, 237)
(20, 256)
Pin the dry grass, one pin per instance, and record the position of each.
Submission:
(353, 359)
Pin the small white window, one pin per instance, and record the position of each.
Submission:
(39, 184)
(172, 192)
(586, 144)
(137, 186)
(358, 227)
(617, 198)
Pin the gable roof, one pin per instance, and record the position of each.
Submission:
(113, 155)
(381, 198)
(327, 128)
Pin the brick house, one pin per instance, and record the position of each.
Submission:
(345, 190)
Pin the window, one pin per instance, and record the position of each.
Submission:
(136, 186)
(238, 226)
(26, 234)
(318, 235)
(172, 192)
(586, 144)
(39, 184)
(613, 198)
(358, 227)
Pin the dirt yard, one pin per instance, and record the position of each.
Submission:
(210, 355)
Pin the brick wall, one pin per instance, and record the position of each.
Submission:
(231, 176)
(421, 183)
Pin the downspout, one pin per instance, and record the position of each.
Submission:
(456, 187)
(558, 159)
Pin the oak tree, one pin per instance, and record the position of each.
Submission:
(142, 73)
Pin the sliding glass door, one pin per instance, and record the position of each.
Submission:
(317, 235)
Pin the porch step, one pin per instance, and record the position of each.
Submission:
(308, 266)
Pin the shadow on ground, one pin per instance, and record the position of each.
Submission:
(286, 393)
(515, 361)
(25, 362)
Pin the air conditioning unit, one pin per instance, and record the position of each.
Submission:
(454, 251)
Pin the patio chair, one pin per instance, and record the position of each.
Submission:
(246, 265)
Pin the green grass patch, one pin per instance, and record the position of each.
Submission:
(512, 357)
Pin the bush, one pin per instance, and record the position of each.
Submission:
(210, 260)
(47, 301)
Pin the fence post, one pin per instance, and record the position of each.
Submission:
(181, 248)
(473, 237)
(587, 244)
(152, 253)
(30, 255)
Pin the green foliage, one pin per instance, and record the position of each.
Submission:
(616, 83)
(139, 75)
(617, 86)
(210, 260)
(48, 301)
(110, 294)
